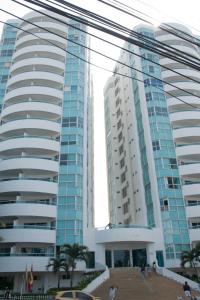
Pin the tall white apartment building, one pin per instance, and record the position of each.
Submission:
(46, 144)
(152, 141)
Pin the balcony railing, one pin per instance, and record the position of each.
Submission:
(193, 203)
(26, 254)
(24, 226)
(24, 201)
(30, 178)
(114, 226)
(194, 226)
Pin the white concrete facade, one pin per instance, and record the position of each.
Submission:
(185, 120)
(127, 205)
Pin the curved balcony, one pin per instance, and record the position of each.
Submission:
(185, 118)
(31, 145)
(33, 109)
(129, 234)
(48, 64)
(33, 165)
(175, 104)
(194, 234)
(51, 26)
(30, 126)
(190, 86)
(176, 26)
(14, 186)
(191, 190)
(44, 51)
(19, 264)
(46, 79)
(33, 14)
(21, 234)
(187, 135)
(193, 212)
(29, 40)
(190, 171)
(49, 94)
(167, 62)
(26, 209)
(173, 77)
(188, 152)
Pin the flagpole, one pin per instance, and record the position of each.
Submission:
(21, 291)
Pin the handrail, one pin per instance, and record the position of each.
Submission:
(24, 226)
(29, 156)
(174, 112)
(191, 182)
(29, 136)
(194, 203)
(189, 163)
(27, 254)
(32, 101)
(13, 120)
(24, 201)
(29, 178)
(114, 226)
(186, 145)
(176, 277)
(194, 227)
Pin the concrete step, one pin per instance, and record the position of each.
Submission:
(132, 286)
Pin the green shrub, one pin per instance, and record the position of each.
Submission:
(87, 278)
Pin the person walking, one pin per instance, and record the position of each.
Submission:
(7, 294)
(186, 289)
(143, 271)
(112, 292)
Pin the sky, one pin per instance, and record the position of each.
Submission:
(185, 12)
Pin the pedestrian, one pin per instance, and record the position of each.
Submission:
(186, 289)
(142, 270)
(7, 294)
(112, 292)
(154, 267)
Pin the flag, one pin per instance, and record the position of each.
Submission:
(26, 278)
(30, 280)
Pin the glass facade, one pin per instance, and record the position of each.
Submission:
(142, 146)
(172, 205)
(70, 196)
(6, 51)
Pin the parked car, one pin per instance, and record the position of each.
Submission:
(75, 295)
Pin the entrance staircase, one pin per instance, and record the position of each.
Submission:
(132, 286)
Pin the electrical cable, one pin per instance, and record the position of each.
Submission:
(113, 44)
(167, 53)
(99, 53)
(179, 21)
(113, 72)
(163, 26)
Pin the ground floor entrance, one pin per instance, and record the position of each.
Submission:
(126, 258)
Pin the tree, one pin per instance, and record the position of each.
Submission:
(197, 247)
(74, 253)
(190, 257)
(57, 264)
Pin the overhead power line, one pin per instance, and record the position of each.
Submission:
(160, 11)
(110, 43)
(164, 26)
(113, 72)
(99, 53)
(140, 40)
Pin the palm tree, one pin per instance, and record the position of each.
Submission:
(73, 253)
(197, 248)
(57, 264)
(2, 225)
(189, 257)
